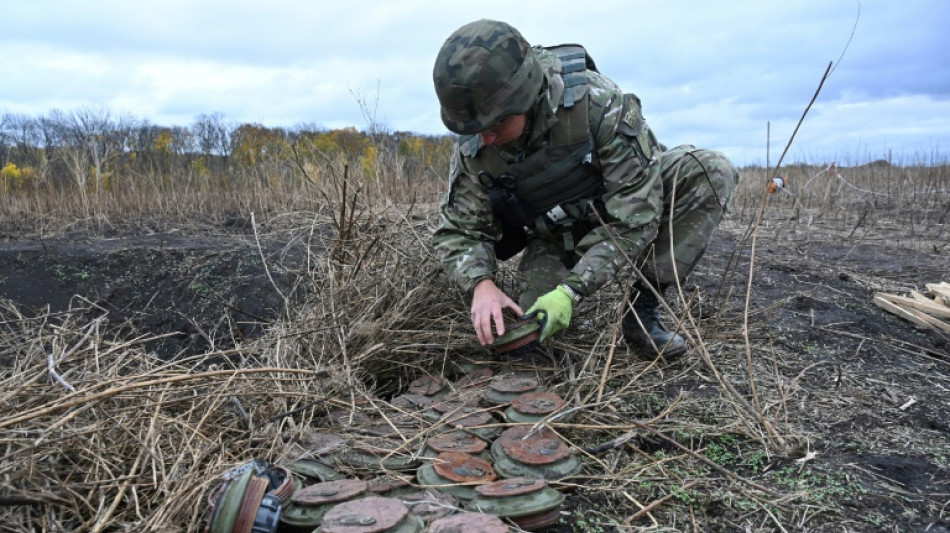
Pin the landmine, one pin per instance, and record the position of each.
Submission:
(310, 504)
(378, 454)
(503, 389)
(393, 425)
(456, 441)
(532, 407)
(521, 336)
(541, 454)
(435, 387)
(373, 514)
(528, 502)
(469, 523)
(440, 410)
(412, 403)
(319, 455)
(430, 505)
(480, 423)
(456, 474)
(450, 414)
(390, 485)
(474, 379)
(250, 499)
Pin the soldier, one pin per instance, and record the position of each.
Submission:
(555, 160)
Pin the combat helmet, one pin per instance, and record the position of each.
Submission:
(485, 72)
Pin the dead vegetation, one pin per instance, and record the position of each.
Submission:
(787, 415)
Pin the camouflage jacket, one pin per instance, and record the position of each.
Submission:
(625, 147)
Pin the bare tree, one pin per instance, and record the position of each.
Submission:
(213, 137)
(4, 139)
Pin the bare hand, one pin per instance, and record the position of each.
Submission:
(488, 301)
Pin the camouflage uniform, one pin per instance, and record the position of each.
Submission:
(658, 205)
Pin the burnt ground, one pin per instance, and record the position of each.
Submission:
(195, 293)
(865, 394)
(868, 393)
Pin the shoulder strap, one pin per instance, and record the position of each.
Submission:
(574, 62)
(469, 145)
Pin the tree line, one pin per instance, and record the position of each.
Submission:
(98, 151)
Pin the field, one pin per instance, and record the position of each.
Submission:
(149, 346)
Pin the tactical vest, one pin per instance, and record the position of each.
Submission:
(550, 189)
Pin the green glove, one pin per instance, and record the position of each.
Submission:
(557, 307)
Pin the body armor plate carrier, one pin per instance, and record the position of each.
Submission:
(556, 186)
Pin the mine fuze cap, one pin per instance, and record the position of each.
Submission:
(485, 72)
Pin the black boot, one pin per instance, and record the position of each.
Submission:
(653, 334)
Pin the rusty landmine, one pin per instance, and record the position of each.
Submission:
(515, 486)
(373, 514)
(504, 389)
(468, 523)
(518, 384)
(529, 502)
(536, 450)
(347, 418)
(329, 492)
(518, 335)
(404, 420)
(430, 505)
(517, 433)
(411, 402)
(463, 468)
(538, 403)
(456, 441)
(392, 426)
(281, 481)
(481, 424)
(387, 483)
(250, 504)
(467, 420)
(379, 453)
(459, 406)
(313, 469)
(427, 385)
(381, 446)
(520, 346)
(474, 379)
(509, 467)
(537, 521)
(321, 443)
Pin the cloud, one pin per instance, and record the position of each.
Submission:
(713, 74)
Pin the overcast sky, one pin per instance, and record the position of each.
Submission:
(713, 74)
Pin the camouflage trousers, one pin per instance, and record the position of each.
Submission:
(697, 187)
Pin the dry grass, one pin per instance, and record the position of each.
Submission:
(121, 440)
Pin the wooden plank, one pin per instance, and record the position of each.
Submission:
(921, 298)
(921, 319)
(940, 290)
(926, 305)
(936, 323)
(937, 299)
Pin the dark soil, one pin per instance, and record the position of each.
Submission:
(866, 393)
(196, 292)
(871, 392)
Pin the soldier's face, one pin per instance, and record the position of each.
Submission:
(505, 131)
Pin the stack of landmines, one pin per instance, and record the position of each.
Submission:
(469, 456)
(931, 313)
